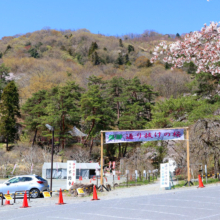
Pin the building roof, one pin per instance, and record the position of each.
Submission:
(77, 133)
(58, 165)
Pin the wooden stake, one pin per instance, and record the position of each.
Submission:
(101, 179)
(187, 145)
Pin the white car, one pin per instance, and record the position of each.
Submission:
(34, 183)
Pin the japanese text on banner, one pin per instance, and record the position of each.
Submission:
(137, 136)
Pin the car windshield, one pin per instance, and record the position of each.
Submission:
(14, 180)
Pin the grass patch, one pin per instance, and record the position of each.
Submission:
(209, 181)
(139, 182)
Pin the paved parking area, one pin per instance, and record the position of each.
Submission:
(193, 204)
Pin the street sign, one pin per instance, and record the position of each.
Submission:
(164, 175)
(46, 195)
(8, 197)
(71, 172)
(80, 191)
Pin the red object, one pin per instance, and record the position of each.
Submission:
(113, 165)
(106, 179)
(80, 178)
(200, 182)
(7, 202)
(131, 177)
(118, 177)
(25, 201)
(93, 178)
(72, 183)
(60, 201)
(95, 197)
(41, 182)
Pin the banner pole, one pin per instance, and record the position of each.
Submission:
(101, 179)
(188, 166)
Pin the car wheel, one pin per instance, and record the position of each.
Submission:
(34, 193)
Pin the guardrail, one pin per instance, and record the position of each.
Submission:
(22, 193)
(29, 193)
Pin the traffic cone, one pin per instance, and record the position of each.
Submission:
(7, 202)
(200, 182)
(25, 201)
(95, 197)
(60, 201)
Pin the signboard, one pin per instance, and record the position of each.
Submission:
(137, 136)
(113, 172)
(164, 175)
(8, 197)
(71, 172)
(80, 191)
(113, 165)
(46, 195)
(127, 171)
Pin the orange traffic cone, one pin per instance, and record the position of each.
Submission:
(60, 201)
(7, 202)
(25, 202)
(95, 197)
(200, 182)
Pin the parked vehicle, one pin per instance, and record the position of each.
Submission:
(34, 183)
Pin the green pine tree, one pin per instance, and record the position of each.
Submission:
(130, 48)
(4, 71)
(33, 110)
(97, 115)
(62, 111)
(92, 48)
(120, 43)
(95, 58)
(120, 60)
(9, 110)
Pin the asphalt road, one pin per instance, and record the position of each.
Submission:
(193, 204)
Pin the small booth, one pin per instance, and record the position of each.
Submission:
(86, 170)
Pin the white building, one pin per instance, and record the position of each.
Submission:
(86, 170)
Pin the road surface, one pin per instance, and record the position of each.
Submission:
(190, 204)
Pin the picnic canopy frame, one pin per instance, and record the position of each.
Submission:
(187, 148)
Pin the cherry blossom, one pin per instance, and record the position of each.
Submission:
(200, 47)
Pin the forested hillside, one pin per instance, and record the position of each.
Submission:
(96, 82)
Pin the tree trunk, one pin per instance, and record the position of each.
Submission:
(34, 137)
(216, 167)
(91, 145)
(125, 150)
(140, 176)
(119, 150)
(118, 111)
(7, 144)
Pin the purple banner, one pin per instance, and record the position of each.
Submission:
(140, 136)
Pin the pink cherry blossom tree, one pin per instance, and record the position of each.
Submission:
(200, 47)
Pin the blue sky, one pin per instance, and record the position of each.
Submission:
(109, 17)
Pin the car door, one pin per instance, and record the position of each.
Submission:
(24, 183)
(10, 185)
